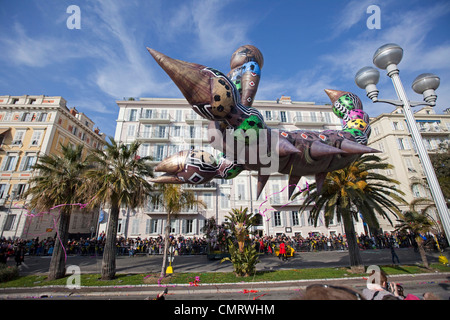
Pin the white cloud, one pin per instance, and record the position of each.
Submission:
(20, 49)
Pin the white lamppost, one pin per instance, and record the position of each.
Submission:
(387, 57)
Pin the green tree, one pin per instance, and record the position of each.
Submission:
(240, 223)
(117, 179)
(58, 182)
(244, 256)
(358, 188)
(418, 223)
(441, 165)
(174, 199)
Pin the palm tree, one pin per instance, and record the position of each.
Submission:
(418, 223)
(240, 223)
(58, 182)
(355, 189)
(174, 199)
(244, 258)
(118, 179)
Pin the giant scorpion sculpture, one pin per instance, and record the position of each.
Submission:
(239, 132)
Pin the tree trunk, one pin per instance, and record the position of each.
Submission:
(109, 254)
(353, 250)
(58, 263)
(166, 246)
(423, 256)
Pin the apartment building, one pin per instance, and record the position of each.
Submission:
(390, 134)
(31, 126)
(166, 126)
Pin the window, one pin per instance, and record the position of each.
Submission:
(159, 153)
(207, 199)
(3, 192)
(18, 137)
(313, 116)
(416, 191)
(298, 116)
(151, 226)
(148, 113)
(36, 138)
(376, 130)
(28, 162)
(188, 226)
(179, 115)
(131, 129)
(177, 131)
(295, 220)
(9, 163)
(161, 132)
(133, 115)
(144, 150)
(224, 201)
(135, 226)
(42, 117)
(409, 164)
(403, 144)
(147, 131)
(9, 222)
(8, 116)
(26, 116)
(269, 115)
(396, 125)
(283, 116)
(277, 218)
(241, 192)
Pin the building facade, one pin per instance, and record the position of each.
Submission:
(31, 126)
(390, 135)
(166, 126)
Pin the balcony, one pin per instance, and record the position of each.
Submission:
(272, 121)
(434, 130)
(285, 202)
(154, 136)
(209, 186)
(155, 117)
(195, 118)
(307, 121)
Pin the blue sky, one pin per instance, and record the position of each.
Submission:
(308, 46)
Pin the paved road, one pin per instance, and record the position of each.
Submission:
(193, 263)
(436, 283)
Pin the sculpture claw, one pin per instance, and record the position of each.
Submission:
(189, 78)
(167, 178)
(356, 148)
(319, 150)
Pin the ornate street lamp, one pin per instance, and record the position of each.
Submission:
(387, 57)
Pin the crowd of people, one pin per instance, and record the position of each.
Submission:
(199, 245)
(322, 242)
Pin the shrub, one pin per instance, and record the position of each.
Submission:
(8, 273)
(244, 263)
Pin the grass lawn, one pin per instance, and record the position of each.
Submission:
(88, 280)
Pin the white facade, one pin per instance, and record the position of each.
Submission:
(391, 136)
(165, 126)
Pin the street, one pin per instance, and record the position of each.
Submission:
(415, 284)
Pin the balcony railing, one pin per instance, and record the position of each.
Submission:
(156, 117)
(154, 135)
